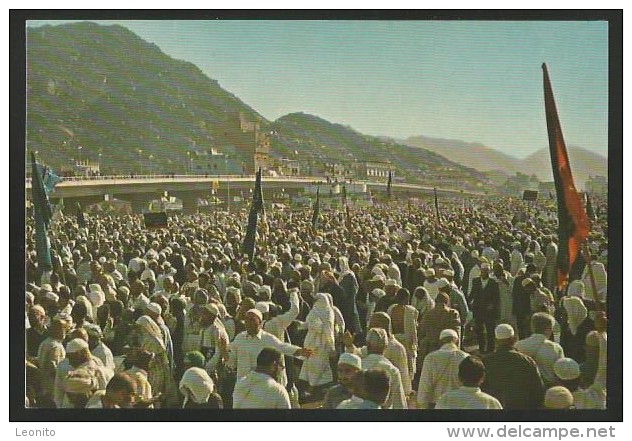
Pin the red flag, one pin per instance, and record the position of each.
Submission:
(574, 225)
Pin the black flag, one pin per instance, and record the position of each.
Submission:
(436, 202)
(344, 195)
(589, 208)
(258, 194)
(248, 246)
(81, 218)
(316, 211)
(389, 189)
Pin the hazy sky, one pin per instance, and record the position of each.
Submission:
(477, 81)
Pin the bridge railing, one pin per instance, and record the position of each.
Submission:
(121, 179)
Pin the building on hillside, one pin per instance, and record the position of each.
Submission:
(376, 171)
(87, 168)
(252, 145)
(289, 167)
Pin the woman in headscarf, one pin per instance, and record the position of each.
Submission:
(159, 375)
(192, 328)
(320, 323)
(575, 328)
(349, 284)
(81, 311)
(198, 390)
(421, 301)
(140, 361)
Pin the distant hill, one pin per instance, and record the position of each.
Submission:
(471, 154)
(583, 162)
(105, 89)
(320, 141)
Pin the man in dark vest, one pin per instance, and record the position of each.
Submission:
(512, 377)
(485, 302)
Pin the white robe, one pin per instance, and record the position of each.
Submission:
(409, 339)
(316, 370)
(601, 282)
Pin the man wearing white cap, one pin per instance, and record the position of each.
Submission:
(539, 346)
(404, 323)
(515, 260)
(259, 388)
(50, 354)
(243, 350)
(154, 310)
(485, 301)
(440, 370)
(558, 398)
(212, 334)
(348, 366)
(593, 397)
(79, 357)
(512, 377)
(376, 343)
(431, 283)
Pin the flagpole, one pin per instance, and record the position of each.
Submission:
(591, 274)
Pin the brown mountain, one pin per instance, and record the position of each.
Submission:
(584, 163)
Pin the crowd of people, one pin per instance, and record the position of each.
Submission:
(385, 307)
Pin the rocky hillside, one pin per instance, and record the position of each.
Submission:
(102, 93)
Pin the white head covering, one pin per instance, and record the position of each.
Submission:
(343, 262)
(196, 385)
(148, 274)
(320, 324)
(566, 369)
(377, 336)
(154, 307)
(255, 312)
(264, 307)
(576, 312)
(558, 397)
(52, 296)
(449, 333)
(150, 331)
(96, 295)
(265, 292)
(80, 381)
(87, 303)
(576, 289)
(503, 331)
(350, 359)
(76, 345)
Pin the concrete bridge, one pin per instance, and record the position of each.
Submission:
(140, 190)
